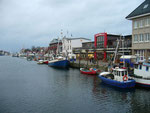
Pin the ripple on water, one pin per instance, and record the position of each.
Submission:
(26, 87)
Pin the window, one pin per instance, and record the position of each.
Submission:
(136, 66)
(143, 22)
(140, 38)
(126, 73)
(135, 24)
(135, 38)
(146, 22)
(147, 68)
(146, 39)
(117, 73)
(140, 23)
(123, 73)
(148, 35)
(140, 66)
(145, 6)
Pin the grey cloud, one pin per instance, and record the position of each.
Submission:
(36, 22)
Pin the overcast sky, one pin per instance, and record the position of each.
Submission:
(24, 23)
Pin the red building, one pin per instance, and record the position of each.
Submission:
(100, 42)
(105, 45)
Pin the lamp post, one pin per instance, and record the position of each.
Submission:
(87, 56)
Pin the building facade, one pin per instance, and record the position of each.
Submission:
(88, 45)
(141, 30)
(105, 45)
(69, 43)
(55, 47)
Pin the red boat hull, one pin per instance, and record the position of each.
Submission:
(46, 62)
(88, 72)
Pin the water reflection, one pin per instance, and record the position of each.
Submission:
(30, 88)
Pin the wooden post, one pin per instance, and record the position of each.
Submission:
(79, 58)
(97, 60)
(87, 57)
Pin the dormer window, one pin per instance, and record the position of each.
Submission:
(145, 6)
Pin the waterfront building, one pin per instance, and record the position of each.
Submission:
(4, 53)
(69, 43)
(1, 52)
(87, 49)
(88, 45)
(55, 46)
(140, 18)
(105, 45)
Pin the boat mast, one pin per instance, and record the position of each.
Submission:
(57, 47)
(116, 50)
(123, 52)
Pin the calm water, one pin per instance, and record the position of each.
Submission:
(26, 87)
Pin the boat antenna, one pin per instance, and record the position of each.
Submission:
(71, 34)
(67, 33)
(61, 33)
(58, 47)
(123, 51)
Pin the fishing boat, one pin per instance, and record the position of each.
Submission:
(91, 71)
(60, 62)
(118, 77)
(142, 74)
(45, 61)
(40, 62)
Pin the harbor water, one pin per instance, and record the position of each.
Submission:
(26, 87)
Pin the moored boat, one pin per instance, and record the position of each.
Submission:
(142, 74)
(45, 61)
(91, 71)
(118, 78)
(40, 62)
(59, 62)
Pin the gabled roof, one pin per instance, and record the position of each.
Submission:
(141, 10)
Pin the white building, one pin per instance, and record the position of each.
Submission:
(69, 43)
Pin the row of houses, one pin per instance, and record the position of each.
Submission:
(4, 53)
(65, 45)
(104, 44)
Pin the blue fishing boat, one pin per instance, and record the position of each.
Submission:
(59, 62)
(118, 77)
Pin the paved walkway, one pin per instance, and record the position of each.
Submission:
(100, 63)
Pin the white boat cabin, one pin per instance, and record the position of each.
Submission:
(120, 74)
(143, 70)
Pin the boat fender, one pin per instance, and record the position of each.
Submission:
(125, 78)
(94, 69)
(91, 69)
(111, 69)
